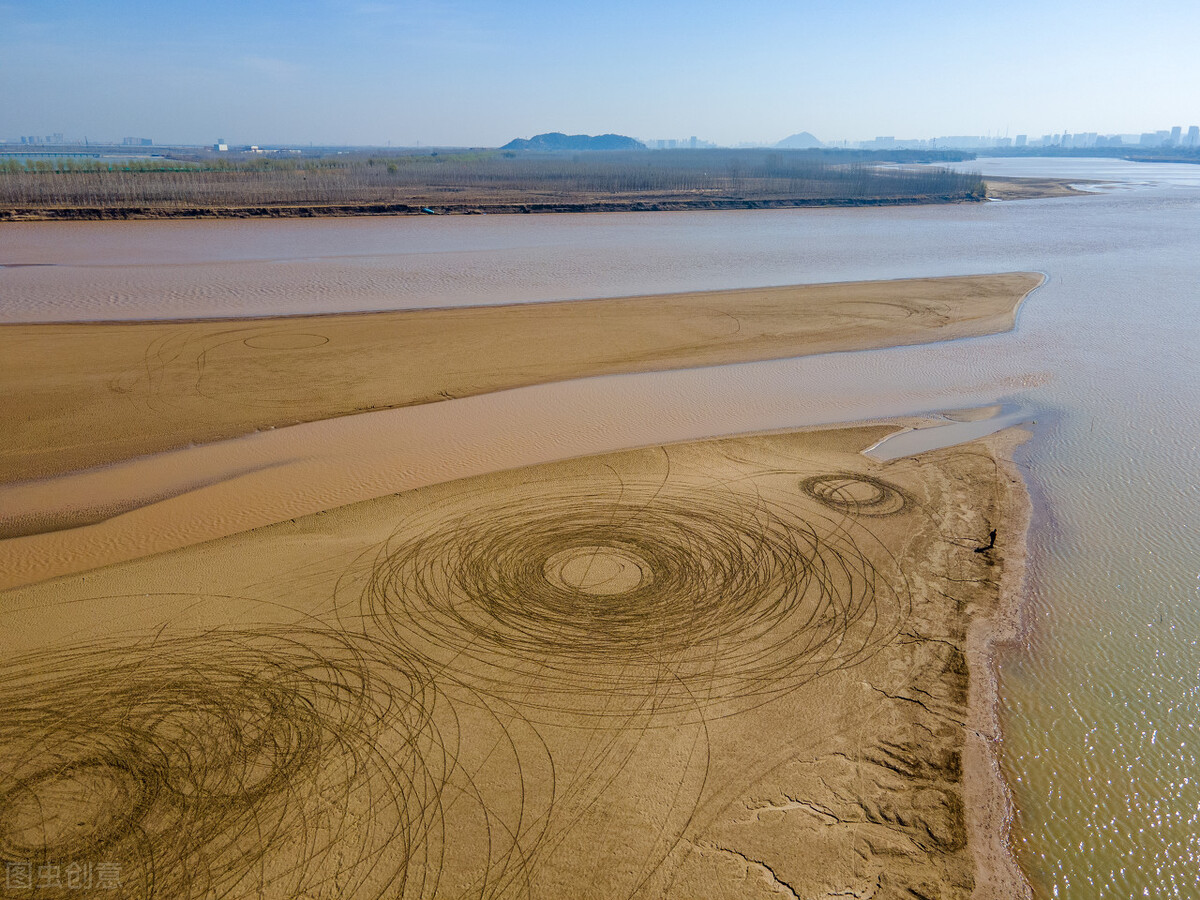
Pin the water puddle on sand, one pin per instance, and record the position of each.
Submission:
(963, 426)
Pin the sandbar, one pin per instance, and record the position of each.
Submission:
(83, 395)
(1008, 187)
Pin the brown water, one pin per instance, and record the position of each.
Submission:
(1101, 702)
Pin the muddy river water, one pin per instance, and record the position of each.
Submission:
(1101, 698)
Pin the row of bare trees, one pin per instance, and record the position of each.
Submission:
(469, 178)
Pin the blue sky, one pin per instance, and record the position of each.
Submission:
(476, 73)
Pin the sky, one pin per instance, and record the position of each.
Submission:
(481, 72)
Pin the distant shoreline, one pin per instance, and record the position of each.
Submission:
(998, 188)
(306, 211)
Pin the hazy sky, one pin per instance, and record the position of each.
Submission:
(473, 72)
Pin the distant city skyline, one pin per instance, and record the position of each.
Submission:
(1184, 137)
(481, 72)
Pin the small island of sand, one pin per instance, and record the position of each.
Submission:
(82, 395)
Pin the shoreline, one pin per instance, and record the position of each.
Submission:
(988, 798)
(336, 210)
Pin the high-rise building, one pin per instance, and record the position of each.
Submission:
(1022, 140)
(1173, 141)
(1193, 136)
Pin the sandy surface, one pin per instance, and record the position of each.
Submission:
(84, 395)
(1003, 187)
(736, 668)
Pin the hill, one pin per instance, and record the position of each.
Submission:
(556, 140)
(801, 141)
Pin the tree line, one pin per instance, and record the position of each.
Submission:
(473, 177)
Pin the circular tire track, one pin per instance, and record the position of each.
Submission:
(706, 596)
(221, 766)
(856, 494)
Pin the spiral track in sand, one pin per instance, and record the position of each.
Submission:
(722, 597)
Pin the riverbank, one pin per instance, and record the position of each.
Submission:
(997, 188)
(573, 645)
(305, 211)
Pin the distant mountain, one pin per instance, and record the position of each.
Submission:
(556, 140)
(801, 141)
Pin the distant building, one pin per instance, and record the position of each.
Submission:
(220, 146)
(1193, 136)
(1021, 141)
(689, 143)
(965, 142)
(889, 142)
(1173, 140)
(137, 142)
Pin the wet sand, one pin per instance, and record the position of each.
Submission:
(651, 673)
(1004, 187)
(81, 395)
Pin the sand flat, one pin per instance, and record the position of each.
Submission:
(81, 395)
(1009, 187)
(652, 673)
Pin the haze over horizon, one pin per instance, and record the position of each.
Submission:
(474, 73)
